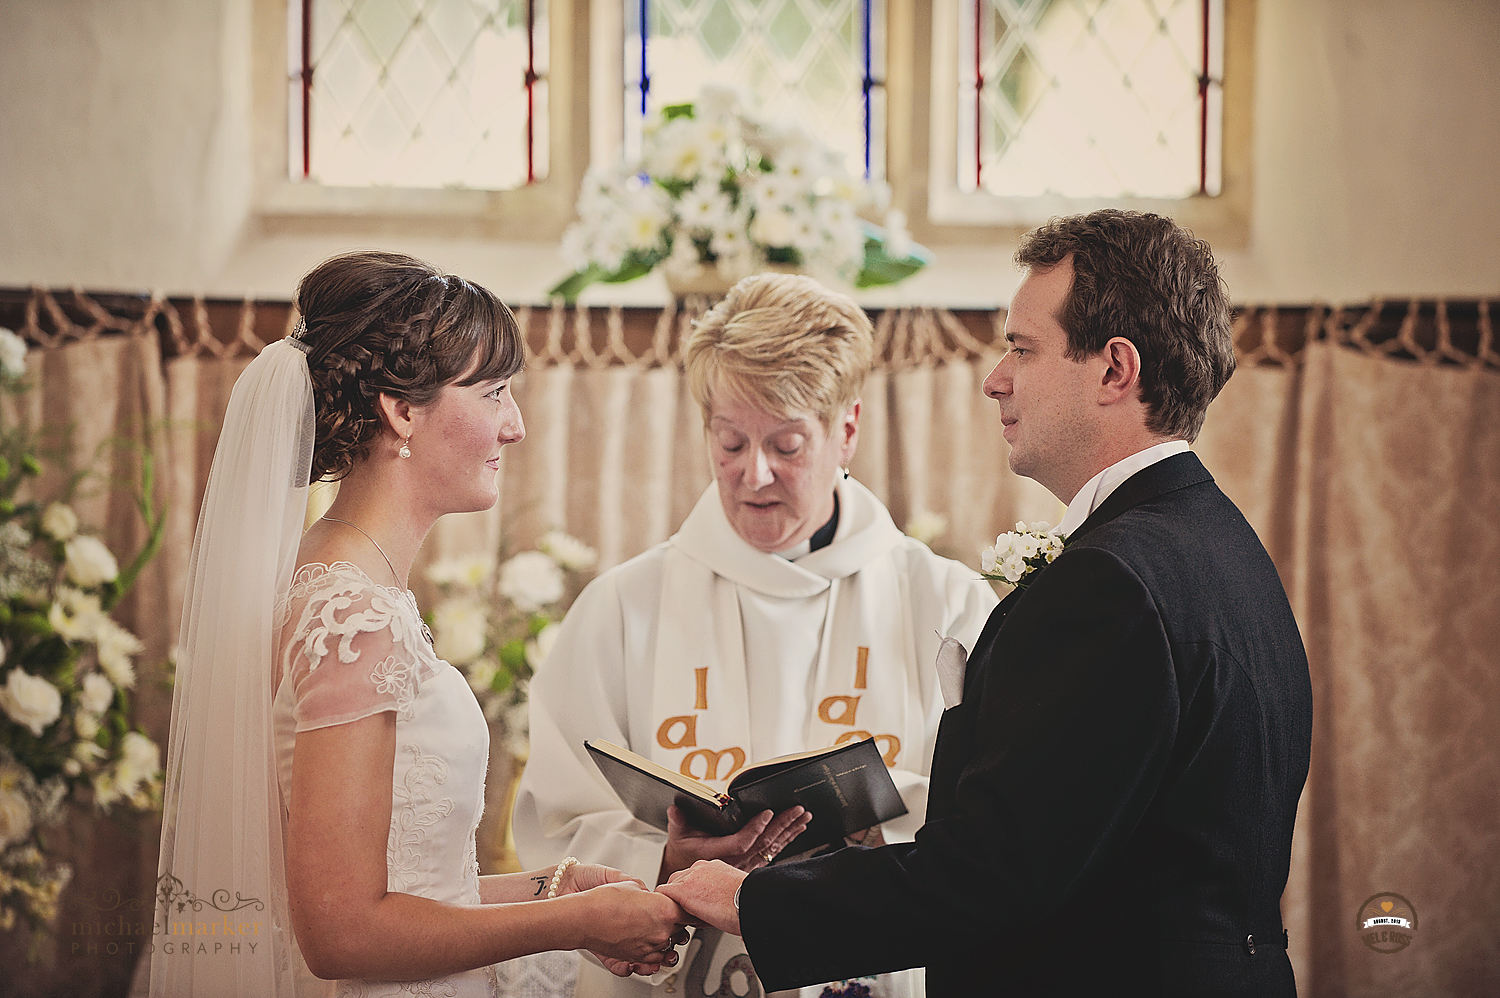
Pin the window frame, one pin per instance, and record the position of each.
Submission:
(920, 37)
(587, 69)
(536, 211)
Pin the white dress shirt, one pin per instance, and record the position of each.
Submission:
(1098, 488)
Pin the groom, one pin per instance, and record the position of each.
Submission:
(1112, 799)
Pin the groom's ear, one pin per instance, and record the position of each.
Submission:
(1121, 371)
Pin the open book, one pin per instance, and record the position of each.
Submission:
(846, 787)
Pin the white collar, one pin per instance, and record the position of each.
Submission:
(1098, 488)
(865, 532)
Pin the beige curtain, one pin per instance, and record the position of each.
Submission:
(1376, 484)
(1364, 446)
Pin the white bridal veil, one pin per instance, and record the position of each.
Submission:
(221, 907)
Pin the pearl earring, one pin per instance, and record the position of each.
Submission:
(405, 450)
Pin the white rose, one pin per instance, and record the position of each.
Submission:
(15, 815)
(926, 526)
(772, 227)
(89, 562)
(116, 645)
(531, 580)
(482, 676)
(12, 354)
(98, 693)
(1012, 568)
(517, 728)
(703, 206)
(459, 627)
(86, 725)
(898, 242)
(568, 551)
(140, 760)
(75, 615)
(105, 791)
(30, 701)
(88, 752)
(471, 570)
(60, 522)
(539, 647)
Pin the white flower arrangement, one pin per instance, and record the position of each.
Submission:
(715, 188)
(1017, 553)
(66, 669)
(926, 526)
(498, 630)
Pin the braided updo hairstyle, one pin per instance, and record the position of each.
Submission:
(388, 323)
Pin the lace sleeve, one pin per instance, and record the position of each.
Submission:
(350, 648)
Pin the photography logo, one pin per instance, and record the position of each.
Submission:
(1387, 923)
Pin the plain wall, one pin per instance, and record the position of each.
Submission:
(128, 133)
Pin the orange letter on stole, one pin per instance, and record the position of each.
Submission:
(689, 737)
(846, 715)
(711, 763)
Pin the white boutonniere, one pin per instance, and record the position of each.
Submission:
(1017, 553)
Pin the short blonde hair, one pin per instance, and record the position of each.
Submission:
(785, 342)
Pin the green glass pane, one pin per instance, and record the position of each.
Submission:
(827, 78)
(790, 29)
(720, 30)
(1022, 83)
(383, 24)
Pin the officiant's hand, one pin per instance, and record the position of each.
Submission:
(706, 891)
(750, 848)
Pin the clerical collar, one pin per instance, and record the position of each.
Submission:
(821, 538)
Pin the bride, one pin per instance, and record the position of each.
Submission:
(326, 769)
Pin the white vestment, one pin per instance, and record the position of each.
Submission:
(704, 654)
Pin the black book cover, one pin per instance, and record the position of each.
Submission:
(847, 788)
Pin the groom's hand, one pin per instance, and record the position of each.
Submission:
(706, 890)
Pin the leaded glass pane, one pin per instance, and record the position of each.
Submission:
(423, 93)
(799, 61)
(1089, 98)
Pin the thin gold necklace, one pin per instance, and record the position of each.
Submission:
(394, 574)
(426, 631)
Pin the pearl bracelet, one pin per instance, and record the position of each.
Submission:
(557, 874)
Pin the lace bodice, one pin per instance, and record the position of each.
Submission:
(351, 648)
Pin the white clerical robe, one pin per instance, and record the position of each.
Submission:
(705, 654)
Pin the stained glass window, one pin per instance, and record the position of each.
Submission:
(816, 63)
(418, 93)
(1090, 98)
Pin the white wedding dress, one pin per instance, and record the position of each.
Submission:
(351, 648)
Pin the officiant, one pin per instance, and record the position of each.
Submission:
(788, 613)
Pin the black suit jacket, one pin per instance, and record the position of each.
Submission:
(1111, 805)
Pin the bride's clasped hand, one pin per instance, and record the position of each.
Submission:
(630, 929)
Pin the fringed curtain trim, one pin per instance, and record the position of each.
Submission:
(1425, 331)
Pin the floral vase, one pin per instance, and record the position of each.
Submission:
(709, 284)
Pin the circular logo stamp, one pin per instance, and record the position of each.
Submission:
(1386, 923)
